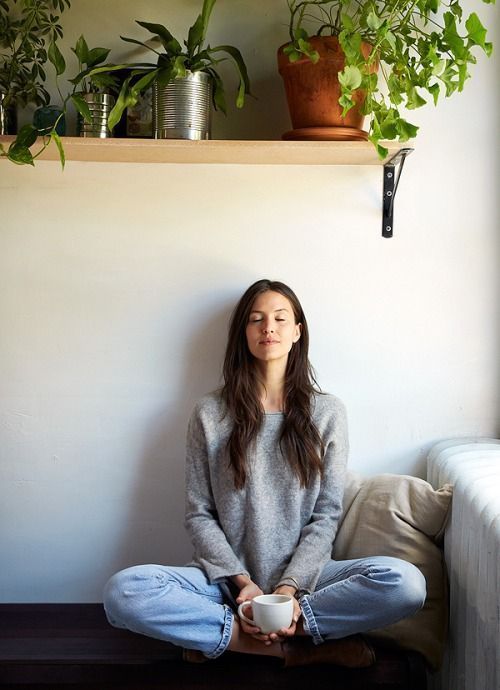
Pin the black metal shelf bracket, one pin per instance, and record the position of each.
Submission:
(390, 188)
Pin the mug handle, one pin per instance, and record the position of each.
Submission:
(241, 607)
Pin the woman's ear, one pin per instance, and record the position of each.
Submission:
(298, 332)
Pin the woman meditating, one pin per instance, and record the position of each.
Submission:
(266, 461)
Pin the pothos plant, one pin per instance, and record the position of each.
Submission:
(423, 49)
(19, 150)
(27, 30)
(175, 60)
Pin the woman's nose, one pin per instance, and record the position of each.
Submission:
(267, 328)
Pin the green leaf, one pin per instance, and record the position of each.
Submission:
(57, 140)
(195, 36)
(476, 31)
(350, 77)
(451, 36)
(171, 44)
(388, 126)
(237, 57)
(406, 130)
(347, 22)
(391, 40)
(347, 103)
(396, 88)
(27, 136)
(82, 106)
(197, 33)
(138, 43)
(178, 67)
(20, 154)
(457, 10)
(218, 95)
(125, 98)
(351, 45)
(56, 58)
(414, 99)
(206, 11)
(144, 82)
(434, 91)
(293, 54)
(463, 75)
(382, 151)
(439, 68)
(299, 33)
(164, 76)
(373, 22)
(81, 50)
(96, 56)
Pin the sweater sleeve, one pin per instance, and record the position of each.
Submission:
(213, 553)
(316, 539)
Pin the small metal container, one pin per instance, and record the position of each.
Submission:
(100, 105)
(182, 109)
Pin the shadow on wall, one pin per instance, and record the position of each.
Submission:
(154, 531)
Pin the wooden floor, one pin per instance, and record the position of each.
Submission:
(63, 646)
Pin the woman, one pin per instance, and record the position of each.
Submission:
(266, 460)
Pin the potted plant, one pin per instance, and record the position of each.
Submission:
(27, 29)
(93, 99)
(423, 48)
(185, 79)
(86, 87)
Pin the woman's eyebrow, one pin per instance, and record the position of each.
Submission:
(256, 311)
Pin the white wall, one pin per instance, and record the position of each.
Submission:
(116, 283)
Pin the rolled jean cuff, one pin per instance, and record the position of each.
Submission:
(309, 621)
(226, 634)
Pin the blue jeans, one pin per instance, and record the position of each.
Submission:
(180, 606)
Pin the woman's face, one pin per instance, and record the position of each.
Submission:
(271, 330)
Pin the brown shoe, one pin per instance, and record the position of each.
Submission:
(352, 652)
(193, 656)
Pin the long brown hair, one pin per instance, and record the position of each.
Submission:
(300, 440)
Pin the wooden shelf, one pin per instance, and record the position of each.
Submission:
(216, 151)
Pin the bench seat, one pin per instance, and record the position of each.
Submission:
(73, 644)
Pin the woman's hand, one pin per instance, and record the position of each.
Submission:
(287, 632)
(248, 591)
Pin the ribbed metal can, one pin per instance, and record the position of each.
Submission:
(182, 109)
(100, 105)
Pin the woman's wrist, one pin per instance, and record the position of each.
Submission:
(290, 582)
(241, 580)
(289, 590)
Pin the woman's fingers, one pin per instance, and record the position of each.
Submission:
(249, 629)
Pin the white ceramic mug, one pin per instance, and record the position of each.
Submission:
(271, 612)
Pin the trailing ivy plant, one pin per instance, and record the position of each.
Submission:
(27, 29)
(175, 60)
(423, 48)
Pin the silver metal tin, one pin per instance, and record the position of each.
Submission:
(100, 105)
(182, 109)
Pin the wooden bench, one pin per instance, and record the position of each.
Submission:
(56, 644)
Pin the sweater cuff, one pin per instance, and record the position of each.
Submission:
(289, 581)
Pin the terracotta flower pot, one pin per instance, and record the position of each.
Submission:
(313, 91)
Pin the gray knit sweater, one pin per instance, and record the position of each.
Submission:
(272, 528)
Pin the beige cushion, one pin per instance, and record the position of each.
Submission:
(402, 516)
